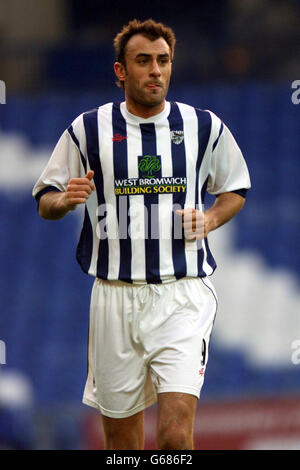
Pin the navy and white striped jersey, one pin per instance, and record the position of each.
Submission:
(144, 170)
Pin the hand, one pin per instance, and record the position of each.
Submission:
(198, 224)
(193, 223)
(78, 191)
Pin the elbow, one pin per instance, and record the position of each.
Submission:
(41, 209)
(242, 203)
(42, 214)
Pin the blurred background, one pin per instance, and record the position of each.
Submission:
(238, 58)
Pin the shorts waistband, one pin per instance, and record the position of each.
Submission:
(117, 282)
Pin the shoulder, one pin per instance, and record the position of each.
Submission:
(190, 110)
(205, 116)
(89, 115)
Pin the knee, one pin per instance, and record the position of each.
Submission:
(174, 436)
(123, 433)
(118, 440)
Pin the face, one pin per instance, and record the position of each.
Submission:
(147, 73)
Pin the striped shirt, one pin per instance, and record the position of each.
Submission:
(144, 170)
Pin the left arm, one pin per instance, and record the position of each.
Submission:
(225, 207)
(228, 172)
(198, 224)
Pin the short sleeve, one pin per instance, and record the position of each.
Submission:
(228, 171)
(64, 164)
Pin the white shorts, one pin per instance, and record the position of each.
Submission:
(147, 339)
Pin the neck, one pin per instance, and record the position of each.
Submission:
(143, 111)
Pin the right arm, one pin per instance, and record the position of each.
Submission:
(54, 205)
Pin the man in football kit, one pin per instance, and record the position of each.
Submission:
(142, 168)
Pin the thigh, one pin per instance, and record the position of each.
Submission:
(178, 347)
(178, 407)
(118, 383)
(176, 414)
(124, 433)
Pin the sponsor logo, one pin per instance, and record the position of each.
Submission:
(177, 137)
(148, 165)
(131, 186)
(150, 180)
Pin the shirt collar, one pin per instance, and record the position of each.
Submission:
(136, 119)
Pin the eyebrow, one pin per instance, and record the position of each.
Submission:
(144, 54)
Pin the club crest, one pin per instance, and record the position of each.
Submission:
(177, 137)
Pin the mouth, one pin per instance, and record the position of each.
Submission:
(153, 85)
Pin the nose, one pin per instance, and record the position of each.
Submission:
(155, 70)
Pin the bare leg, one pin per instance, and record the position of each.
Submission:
(176, 413)
(124, 433)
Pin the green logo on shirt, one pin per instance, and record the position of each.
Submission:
(149, 164)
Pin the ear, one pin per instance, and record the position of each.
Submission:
(120, 71)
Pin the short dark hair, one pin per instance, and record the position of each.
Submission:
(148, 28)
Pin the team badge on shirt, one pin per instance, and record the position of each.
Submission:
(177, 137)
